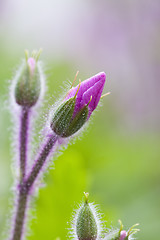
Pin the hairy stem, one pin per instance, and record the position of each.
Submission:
(23, 141)
(40, 161)
(25, 186)
(20, 216)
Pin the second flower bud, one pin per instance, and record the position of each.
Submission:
(28, 83)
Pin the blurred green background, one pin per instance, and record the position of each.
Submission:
(117, 160)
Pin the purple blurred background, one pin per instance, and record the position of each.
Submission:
(119, 37)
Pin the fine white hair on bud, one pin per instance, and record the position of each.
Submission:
(87, 224)
(28, 84)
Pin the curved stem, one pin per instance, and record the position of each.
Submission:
(23, 140)
(26, 185)
(40, 161)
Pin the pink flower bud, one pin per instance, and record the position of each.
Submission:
(77, 106)
(123, 235)
(28, 84)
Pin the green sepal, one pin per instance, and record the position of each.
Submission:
(77, 122)
(62, 117)
(86, 227)
(28, 86)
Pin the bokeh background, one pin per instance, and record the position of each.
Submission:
(118, 159)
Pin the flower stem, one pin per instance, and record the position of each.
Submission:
(20, 216)
(40, 161)
(25, 187)
(23, 140)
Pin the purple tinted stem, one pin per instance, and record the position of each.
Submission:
(26, 185)
(23, 140)
(40, 161)
(20, 216)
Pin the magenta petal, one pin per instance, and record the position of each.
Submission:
(90, 87)
(95, 91)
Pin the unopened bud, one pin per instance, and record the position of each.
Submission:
(78, 105)
(28, 85)
(121, 234)
(86, 226)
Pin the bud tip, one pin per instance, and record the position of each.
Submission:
(86, 195)
(31, 63)
(123, 235)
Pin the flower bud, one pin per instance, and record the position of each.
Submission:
(28, 84)
(86, 226)
(121, 234)
(78, 105)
